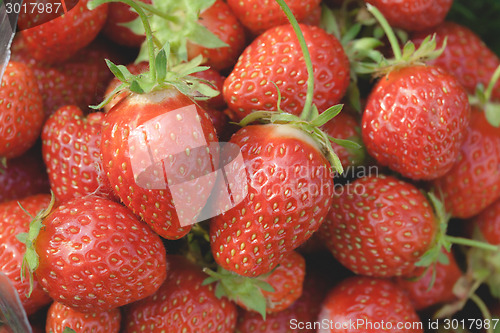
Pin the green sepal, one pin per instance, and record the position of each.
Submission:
(349, 144)
(161, 63)
(30, 258)
(68, 330)
(327, 115)
(492, 113)
(202, 36)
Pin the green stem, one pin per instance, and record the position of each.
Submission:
(307, 111)
(472, 243)
(153, 10)
(491, 85)
(483, 308)
(396, 49)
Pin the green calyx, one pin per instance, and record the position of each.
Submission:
(68, 330)
(241, 289)
(30, 259)
(164, 68)
(482, 99)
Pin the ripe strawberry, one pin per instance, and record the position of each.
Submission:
(24, 176)
(21, 111)
(474, 180)
(118, 14)
(71, 146)
(287, 187)
(158, 174)
(379, 226)
(260, 16)
(59, 39)
(60, 316)
(488, 223)
(182, 304)
(411, 15)
(13, 220)
(94, 255)
(221, 21)
(363, 304)
(415, 121)
(344, 126)
(427, 290)
(275, 57)
(465, 56)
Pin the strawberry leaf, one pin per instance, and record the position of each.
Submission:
(327, 115)
(161, 63)
(68, 330)
(117, 71)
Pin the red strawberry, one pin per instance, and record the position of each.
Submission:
(60, 316)
(24, 176)
(427, 290)
(415, 121)
(282, 194)
(413, 15)
(364, 304)
(488, 223)
(275, 57)
(379, 226)
(344, 126)
(71, 150)
(21, 111)
(221, 21)
(13, 220)
(474, 180)
(120, 13)
(182, 304)
(260, 16)
(465, 56)
(59, 39)
(94, 255)
(151, 177)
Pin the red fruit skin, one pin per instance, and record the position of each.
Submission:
(276, 57)
(473, 183)
(260, 16)
(13, 220)
(221, 21)
(415, 121)
(217, 82)
(182, 304)
(442, 288)
(61, 316)
(488, 223)
(95, 256)
(413, 15)
(289, 187)
(21, 110)
(465, 56)
(379, 226)
(118, 14)
(24, 176)
(345, 126)
(71, 146)
(175, 153)
(372, 300)
(59, 39)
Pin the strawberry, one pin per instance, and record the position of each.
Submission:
(260, 16)
(434, 286)
(364, 304)
(415, 121)
(474, 180)
(94, 255)
(71, 150)
(379, 226)
(275, 57)
(182, 304)
(118, 14)
(138, 177)
(465, 56)
(60, 316)
(345, 126)
(21, 111)
(287, 193)
(411, 15)
(61, 38)
(14, 220)
(24, 176)
(488, 223)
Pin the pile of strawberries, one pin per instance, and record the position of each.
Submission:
(250, 166)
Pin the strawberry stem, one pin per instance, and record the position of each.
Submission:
(307, 111)
(484, 310)
(472, 243)
(396, 49)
